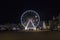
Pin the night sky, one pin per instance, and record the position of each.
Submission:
(12, 10)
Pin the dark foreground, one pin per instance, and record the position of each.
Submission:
(29, 35)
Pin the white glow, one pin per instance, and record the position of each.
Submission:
(44, 25)
(35, 16)
(30, 21)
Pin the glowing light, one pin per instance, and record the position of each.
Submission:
(35, 16)
(27, 27)
(44, 25)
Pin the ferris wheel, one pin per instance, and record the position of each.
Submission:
(30, 19)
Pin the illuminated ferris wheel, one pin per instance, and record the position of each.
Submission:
(30, 19)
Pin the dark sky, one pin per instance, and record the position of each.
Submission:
(11, 10)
